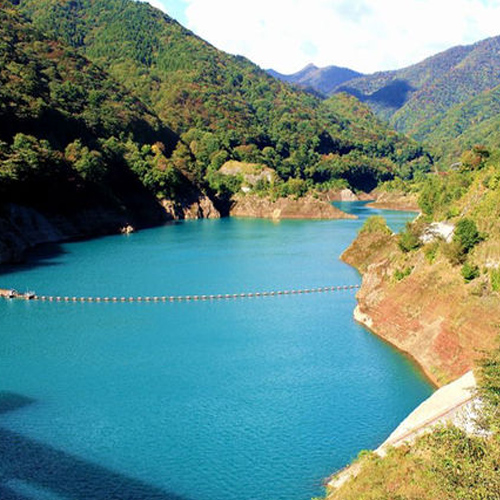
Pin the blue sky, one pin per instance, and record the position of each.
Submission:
(174, 8)
(365, 35)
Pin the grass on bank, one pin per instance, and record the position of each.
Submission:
(445, 464)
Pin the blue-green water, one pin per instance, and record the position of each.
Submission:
(254, 399)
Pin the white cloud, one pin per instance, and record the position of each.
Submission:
(159, 4)
(366, 35)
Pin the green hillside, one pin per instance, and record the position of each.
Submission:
(50, 90)
(389, 91)
(71, 137)
(477, 72)
(441, 98)
(477, 121)
(225, 107)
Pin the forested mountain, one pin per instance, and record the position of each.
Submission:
(225, 107)
(417, 99)
(73, 138)
(322, 80)
(475, 122)
(112, 114)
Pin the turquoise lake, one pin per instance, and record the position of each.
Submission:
(241, 399)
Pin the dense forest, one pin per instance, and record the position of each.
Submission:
(224, 107)
(389, 91)
(90, 71)
(70, 136)
(465, 125)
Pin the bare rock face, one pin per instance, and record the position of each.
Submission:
(22, 227)
(431, 314)
(395, 200)
(306, 207)
(348, 195)
(337, 195)
(438, 231)
(345, 195)
(251, 173)
(205, 209)
(200, 208)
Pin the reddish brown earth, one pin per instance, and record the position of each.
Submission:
(432, 315)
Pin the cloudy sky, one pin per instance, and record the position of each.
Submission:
(365, 35)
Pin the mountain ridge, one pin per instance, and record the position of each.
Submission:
(113, 109)
(417, 98)
(323, 80)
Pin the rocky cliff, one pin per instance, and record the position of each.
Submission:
(23, 227)
(345, 195)
(423, 308)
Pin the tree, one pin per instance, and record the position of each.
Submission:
(88, 163)
(475, 158)
(467, 235)
(469, 272)
(409, 239)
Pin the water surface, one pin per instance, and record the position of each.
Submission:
(255, 399)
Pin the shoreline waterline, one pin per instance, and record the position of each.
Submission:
(204, 391)
(366, 321)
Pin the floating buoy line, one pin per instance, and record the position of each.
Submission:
(32, 296)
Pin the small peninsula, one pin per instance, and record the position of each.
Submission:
(306, 207)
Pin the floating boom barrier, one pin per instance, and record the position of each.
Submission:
(32, 296)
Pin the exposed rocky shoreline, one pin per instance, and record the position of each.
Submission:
(23, 227)
(431, 314)
(419, 301)
(395, 200)
(432, 317)
(306, 207)
(455, 403)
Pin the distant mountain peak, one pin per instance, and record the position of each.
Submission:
(414, 99)
(322, 80)
(309, 67)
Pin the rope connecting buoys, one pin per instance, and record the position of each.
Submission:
(179, 298)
